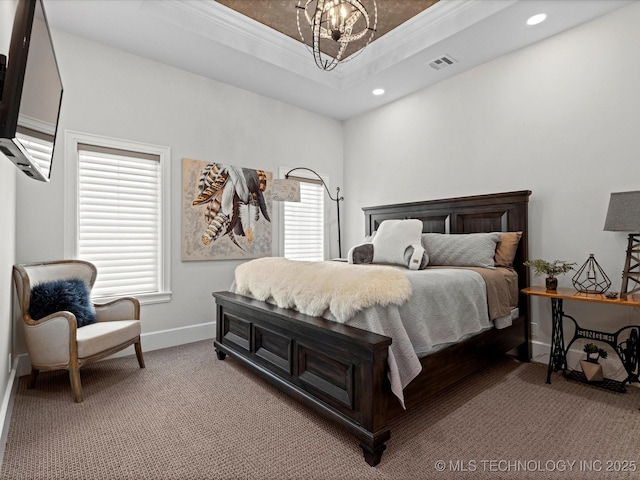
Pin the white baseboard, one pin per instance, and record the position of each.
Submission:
(204, 331)
(150, 341)
(540, 352)
(5, 411)
(612, 367)
(174, 337)
(194, 333)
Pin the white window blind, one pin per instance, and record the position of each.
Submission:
(304, 223)
(40, 148)
(119, 219)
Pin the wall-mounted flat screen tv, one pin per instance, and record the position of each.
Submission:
(31, 93)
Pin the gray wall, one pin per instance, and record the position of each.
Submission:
(7, 250)
(112, 93)
(560, 118)
(7, 259)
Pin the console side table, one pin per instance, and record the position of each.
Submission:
(624, 341)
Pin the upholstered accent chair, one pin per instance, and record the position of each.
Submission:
(55, 342)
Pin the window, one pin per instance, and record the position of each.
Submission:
(304, 222)
(39, 146)
(121, 215)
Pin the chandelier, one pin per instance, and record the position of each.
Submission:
(339, 28)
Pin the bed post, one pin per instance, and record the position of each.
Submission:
(338, 370)
(376, 412)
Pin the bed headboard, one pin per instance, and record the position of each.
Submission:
(496, 212)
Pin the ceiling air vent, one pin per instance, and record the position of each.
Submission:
(442, 62)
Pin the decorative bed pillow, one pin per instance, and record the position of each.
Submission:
(396, 242)
(415, 257)
(62, 295)
(506, 249)
(362, 253)
(461, 250)
(392, 239)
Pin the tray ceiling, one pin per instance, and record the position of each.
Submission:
(281, 15)
(210, 39)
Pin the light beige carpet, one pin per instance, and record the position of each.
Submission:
(191, 416)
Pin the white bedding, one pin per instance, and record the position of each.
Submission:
(453, 300)
(445, 306)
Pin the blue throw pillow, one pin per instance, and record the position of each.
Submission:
(62, 295)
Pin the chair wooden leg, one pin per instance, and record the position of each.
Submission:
(34, 376)
(76, 386)
(138, 348)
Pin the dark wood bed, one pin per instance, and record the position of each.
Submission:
(341, 371)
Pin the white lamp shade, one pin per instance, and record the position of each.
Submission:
(285, 190)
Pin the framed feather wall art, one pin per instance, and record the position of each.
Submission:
(226, 211)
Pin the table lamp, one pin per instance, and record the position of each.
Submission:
(623, 215)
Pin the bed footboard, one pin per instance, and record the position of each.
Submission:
(337, 370)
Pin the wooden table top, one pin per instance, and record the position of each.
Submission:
(571, 294)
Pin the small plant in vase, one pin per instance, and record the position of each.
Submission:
(594, 353)
(591, 368)
(550, 269)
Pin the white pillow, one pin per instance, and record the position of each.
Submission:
(392, 241)
(461, 250)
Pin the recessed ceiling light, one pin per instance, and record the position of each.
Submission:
(378, 91)
(536, 19)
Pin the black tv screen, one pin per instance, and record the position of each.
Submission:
(31, 93)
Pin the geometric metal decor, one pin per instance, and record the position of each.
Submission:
(631, 267)
(590, 277)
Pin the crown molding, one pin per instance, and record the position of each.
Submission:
(220, 24)
(427, 29)
(225, 26)
(208, 39)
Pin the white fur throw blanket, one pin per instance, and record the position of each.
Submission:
(315, 287)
